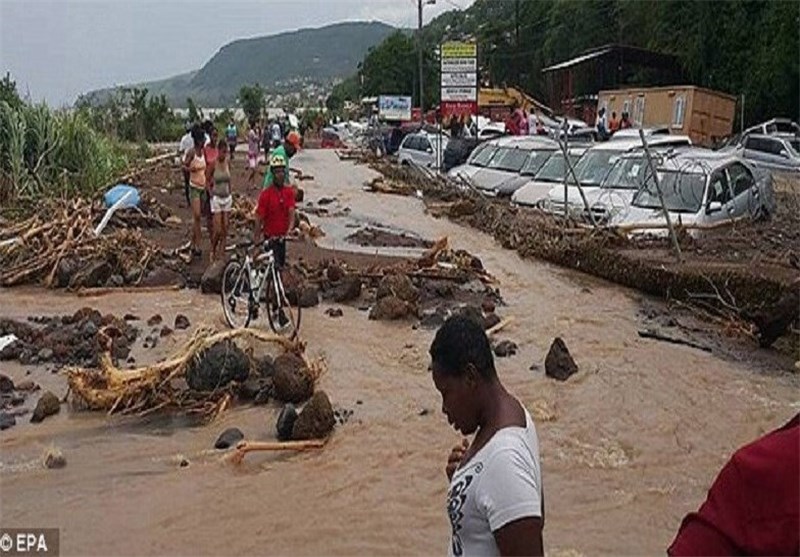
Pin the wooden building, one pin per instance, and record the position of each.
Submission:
(704, 115)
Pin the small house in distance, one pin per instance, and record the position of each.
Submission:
(704, 115)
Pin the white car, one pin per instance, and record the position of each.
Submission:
(702, 190)
(594, 166)
(422, 148)
(508, 159)
(552, 172)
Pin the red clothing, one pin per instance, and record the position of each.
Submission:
(753, 508)
(273, 208)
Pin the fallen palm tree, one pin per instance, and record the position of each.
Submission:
(191, 381)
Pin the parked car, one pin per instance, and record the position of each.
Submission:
(552, 172)
(594, 166)
(423, 149)
(477, 160)
(507, 161)
(536, 160)
(701, 189)
(776, 126)
(458, 151)
(773, 152)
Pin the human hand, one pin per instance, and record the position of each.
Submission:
(456, 455)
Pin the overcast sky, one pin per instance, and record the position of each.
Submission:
(57, 49)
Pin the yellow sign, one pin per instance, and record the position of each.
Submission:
(459, 50)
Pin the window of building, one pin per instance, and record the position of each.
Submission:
(638, 111)
(678, 111)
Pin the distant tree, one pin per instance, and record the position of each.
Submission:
(8, 92)
(194, 112)
(251, 99)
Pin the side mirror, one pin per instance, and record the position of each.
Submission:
(784, 153)
(714, 207)
(430, 150)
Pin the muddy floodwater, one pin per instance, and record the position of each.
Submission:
(629, 445)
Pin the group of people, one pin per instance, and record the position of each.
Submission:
(521, 122)
(208, 184)
(495, 501)
(606, 127)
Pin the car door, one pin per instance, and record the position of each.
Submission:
(405, 152)
(764, 151)
(424, 155)
(719, 199)
(743, 189)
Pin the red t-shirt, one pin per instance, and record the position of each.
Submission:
(273, 207)
(753, 508)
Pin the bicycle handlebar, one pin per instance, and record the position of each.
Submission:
(249, 243)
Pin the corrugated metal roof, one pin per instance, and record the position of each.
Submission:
(576, 61)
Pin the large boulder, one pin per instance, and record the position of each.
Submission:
(308, 296)
(217, 366)
(398, 285)
(211, 283)
(348, 290)
(66, 268)
(93, 274)
(286, 420)
(316, 421)
(162, 276)
(559, 363)
(292, 380)
(229, 438)
(47, 405)
(391, 308)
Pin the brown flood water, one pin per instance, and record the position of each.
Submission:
(629, 445)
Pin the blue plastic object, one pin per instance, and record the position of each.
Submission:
(117, 192)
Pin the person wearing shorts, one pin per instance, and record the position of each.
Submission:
(221, 201)
(232, 134)
(195, 163)
(252, 152)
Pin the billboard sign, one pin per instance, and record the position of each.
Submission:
(459, 79)
(394, 108)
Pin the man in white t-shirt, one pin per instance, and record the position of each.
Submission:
(495, 500)
(186, 143)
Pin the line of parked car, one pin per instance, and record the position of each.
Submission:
(700, 187)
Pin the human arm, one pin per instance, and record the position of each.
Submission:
(520, 537)
(260, 215)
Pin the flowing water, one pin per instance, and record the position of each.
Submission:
(629, 445)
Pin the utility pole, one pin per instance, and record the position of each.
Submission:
(419, 53)
(516, 44)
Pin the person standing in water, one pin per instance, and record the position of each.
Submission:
(495, 501)
(221, 201)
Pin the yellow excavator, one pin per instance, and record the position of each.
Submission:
(493, 99)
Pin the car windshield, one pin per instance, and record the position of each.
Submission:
(554, 169)
(594, 166)
(509, 159)
(626, 174)
(482, 155)
(535, 162)
(683, 192)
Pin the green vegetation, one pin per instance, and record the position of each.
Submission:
(251, 99)
(734, 46)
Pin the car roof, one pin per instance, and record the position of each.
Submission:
(629, 144)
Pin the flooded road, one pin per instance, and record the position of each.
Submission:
(629, 445)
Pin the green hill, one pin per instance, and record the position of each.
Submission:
(307, 55)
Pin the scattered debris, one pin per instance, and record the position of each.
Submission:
(53, 458)
(155, 320)
(505, 348)
(181, 322)
(559, 363)
(334, 312)
(650, 333)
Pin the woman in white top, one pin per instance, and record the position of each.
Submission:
(495, 499)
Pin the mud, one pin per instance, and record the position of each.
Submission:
(377, 237)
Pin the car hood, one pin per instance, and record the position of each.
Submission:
(510, 185)
(556, 194)
(531, 192)
(488, 178)
(464, 170)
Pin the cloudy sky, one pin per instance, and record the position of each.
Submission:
(57, 49)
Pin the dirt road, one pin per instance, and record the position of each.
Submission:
(629, 445)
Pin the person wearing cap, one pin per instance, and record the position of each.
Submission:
(275, 210)
(280, 151)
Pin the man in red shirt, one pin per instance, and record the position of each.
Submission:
(753, 508)
(275, 211)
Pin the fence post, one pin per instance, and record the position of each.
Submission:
(654, 172)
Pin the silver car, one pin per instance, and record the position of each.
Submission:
(536, 160)
(552, 172)
(508, 160)
(773, 152)
(423, 149)
(700, 190)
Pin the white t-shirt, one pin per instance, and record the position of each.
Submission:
(501, 483)
(186, 143)
(276, 132)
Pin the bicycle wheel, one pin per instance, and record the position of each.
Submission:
(235, 293)
(283, 317)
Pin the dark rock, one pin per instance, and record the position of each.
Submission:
(54, 458)
(265, 367)
(433, 319)
(535, 367)
(17, 399)
(286, 421)
(249, 389)
(491, 320)
(47, 405)
(115, 281)
(334, 272)
(165, 331)
(27, 385)
(397, 285)
(316, 420)
(390, 308)
(292, 379)
(7, 421)
(130, 317)
(359, 402)
(309, 296)
(184, 462)
(12, 351)
(326, 200)
(228, 438)
(45, 354)
(488, 306)
(95, 273)
(559, 363)
(424, 412)
(349, 290)
(119, 348)
(182, 322)
(89, 329)
(217, 366)
(505, 348)
(131, 360)
(133, 275)
(211, 283)
(334, 312)
(264, 395)
(155, 320)
(67, 267)
(163, 277)
(6, 384)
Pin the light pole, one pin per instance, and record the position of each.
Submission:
(419, 53)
